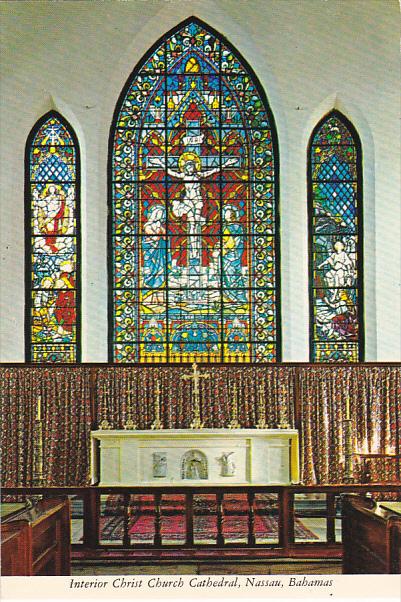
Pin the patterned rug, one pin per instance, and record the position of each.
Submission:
(235, 529)
(205, 529)
(202, 503)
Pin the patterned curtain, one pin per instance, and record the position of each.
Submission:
(375, 409)
(66, 423)
(129, 393)
(75, 398)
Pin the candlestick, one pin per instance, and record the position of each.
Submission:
(156, 424)
(234, 424)
(347, 409)
(261, 424)
(38, 414)
(38, 450)
(348, 452)
(282, 424)
(104, 424)
(129, 424)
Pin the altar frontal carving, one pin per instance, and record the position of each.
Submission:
(227, 465)
(159, 465)
(187, 456)
(194, 465)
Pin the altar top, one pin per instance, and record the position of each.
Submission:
(206, 432)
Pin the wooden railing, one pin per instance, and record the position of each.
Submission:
(288, 505)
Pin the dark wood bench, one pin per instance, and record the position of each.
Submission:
(36, 541)
(371, 537)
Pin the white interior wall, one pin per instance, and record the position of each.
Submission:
(310, 56)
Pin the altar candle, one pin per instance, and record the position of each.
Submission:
(157, 407)
(261, 412)
(235, 402)
(38, 416)
(347, 410)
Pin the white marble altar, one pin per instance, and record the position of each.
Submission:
(195, 457)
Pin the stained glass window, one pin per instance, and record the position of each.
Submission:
(193, 215)
(335, 235)
(52, 258)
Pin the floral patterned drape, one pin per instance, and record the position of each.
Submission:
(310, 397)
(66, 423)
(375, 409)
(123, 393)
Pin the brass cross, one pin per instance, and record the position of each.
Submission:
(195, 376)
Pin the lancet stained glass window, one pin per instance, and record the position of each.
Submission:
(193, 159)
(335, 235)
(53, 254)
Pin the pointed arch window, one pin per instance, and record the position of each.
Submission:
(335, 241)
(53, 242)
(193, 168)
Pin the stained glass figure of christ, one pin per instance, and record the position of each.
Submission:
(335, 218)
(52, 254)
(193, 207)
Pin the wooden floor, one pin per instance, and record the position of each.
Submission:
(271, 567)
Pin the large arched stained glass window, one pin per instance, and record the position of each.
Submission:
(335, 238)
(193, 211)
(53, 243)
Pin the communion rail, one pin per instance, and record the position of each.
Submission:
(305, 521)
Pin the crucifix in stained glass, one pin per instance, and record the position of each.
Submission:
(193, 205)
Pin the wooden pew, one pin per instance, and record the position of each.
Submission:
(15, 541)
(371, 537)
(37, 541)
